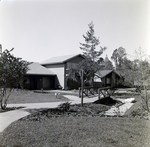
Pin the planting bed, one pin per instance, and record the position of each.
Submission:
(97, 108)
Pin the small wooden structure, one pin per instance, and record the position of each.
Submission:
(101, 92)
(109, 78)
(87, 91)
(103, 88)
(105, 92)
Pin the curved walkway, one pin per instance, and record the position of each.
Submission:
(6, 118)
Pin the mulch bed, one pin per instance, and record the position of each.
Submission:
(97, 108)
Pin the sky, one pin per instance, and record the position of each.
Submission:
(41, 29)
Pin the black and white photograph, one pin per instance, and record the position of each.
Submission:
(74, 73)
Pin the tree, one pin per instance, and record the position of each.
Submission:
(142, 77)
(12, 71)
(108, 64)
(88, 66)
(91, 54)
(126, 72)
(100, 61)
(91, 42)
(118, 55)
(136, 73)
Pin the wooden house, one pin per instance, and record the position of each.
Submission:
(108, 77)
(60, 66)
(52, 74)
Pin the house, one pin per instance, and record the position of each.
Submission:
(60, 66)
(52, 74)
(108, 77)
(39, 77)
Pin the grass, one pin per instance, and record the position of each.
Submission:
(27, 96)
(79, 130)
(23, 96)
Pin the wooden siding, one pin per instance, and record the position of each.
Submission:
(76, 59)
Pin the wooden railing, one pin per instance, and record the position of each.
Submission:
(101, 92)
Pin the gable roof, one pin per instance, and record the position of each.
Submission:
(37, 69)
(103, 73)
(60, 59)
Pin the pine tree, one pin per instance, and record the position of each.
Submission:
(91, 42)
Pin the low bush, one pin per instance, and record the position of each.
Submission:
(64, 106)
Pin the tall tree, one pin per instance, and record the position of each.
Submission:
(91, 53)
(136, 73)
(12, 70)
(90, 64)
(142, 77)
(127, 71)
(91, 42)
(108, 64)
(118, 56)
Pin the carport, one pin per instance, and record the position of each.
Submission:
(39, 77)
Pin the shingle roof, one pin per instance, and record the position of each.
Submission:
(59, 59)
(37, 69)
(103, 73)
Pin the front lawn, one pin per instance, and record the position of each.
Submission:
(26, 96)
(79, 127)
(78, 132)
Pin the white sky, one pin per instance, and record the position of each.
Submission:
(41, 29)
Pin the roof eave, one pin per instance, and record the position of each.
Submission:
(54, 63)
(40, 74)
(72, 57)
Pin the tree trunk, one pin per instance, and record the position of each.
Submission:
(82, 73)
(5, 93)
(146, 99)
(3, 105)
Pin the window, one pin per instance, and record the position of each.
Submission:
(107, 80)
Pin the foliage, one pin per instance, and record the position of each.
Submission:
(127, 72)
(108, 64)
(89, 47)
(100, 61)
(88, 66)
(64, 106)
(12, 70)
(142, 78)
(134, 73)
(118, 55)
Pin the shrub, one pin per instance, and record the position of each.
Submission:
(64, 106)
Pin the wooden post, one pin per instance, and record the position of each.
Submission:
(82, 87)
(99, 94)
(79, 92)
(146, 99)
